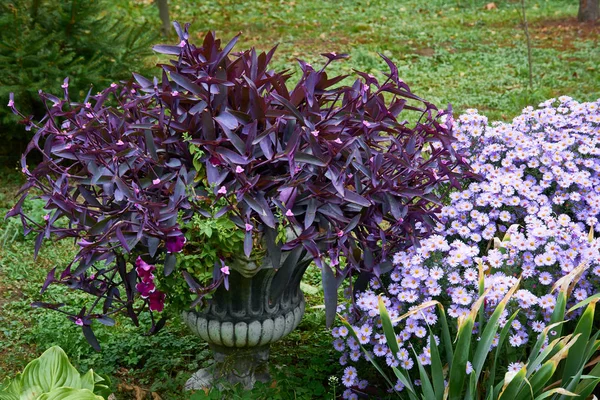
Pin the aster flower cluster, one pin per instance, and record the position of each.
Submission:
(533, 215)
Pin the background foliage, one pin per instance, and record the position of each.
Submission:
(42, 42)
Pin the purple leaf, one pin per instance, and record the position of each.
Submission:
(186, 83)
(248, 243)
(166, 49)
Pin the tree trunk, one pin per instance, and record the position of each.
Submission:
(589, 10)
(163, 12)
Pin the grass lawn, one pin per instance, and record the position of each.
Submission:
(454, 51)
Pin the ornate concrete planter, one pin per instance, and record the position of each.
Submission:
(261, 306)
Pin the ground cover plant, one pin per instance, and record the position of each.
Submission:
(455, 52)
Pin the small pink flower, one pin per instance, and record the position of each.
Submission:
(249, 227)
(88, 105)
(132, 91)
(366, 123)
(365, 87)
(120, 142)
(315, 133)
(333, 53)
(225, 270)
(289, 213)
(89, 115)
(174, 93)
(340, 234)
(79, 322)
(239, 169)
(113, 85)
(222, 190)
(156, 181)
(338, 141)
(46, 217)
(182, 43)
(64, 85)
(11, 103)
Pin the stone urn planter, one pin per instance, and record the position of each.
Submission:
(262, 306)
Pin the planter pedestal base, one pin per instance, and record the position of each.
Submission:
(244, 367)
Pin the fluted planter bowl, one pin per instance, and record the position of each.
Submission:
(261, 306)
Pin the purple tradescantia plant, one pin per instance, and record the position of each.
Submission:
(333, 164)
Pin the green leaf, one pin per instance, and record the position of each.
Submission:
(437, 369)
(11, 390)
(388, 329)
(585, 302)
(458, 371)
(51, 371)
(512, 384)
(503, 335)
(68, 393)
(551, 392)
(575, 359)
(425, 381)
(446, 336)
(371, 359)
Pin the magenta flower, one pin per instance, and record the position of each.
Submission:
(289, 213)
(145, 288)
(79, 322)
(144, 271)
(249, 227)
(175, 243)
(222, 190)
(157, 301)
(11, 103)
(239, 169)
(225, 270)
(156, 181)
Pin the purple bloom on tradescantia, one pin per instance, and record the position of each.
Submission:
(225, 270)
(145, 288)
(174, 244)
(143, 269)
(157, 301)
(79, 321)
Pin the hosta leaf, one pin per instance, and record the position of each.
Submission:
(52, 370)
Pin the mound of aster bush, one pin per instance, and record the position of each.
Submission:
(532, 216)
